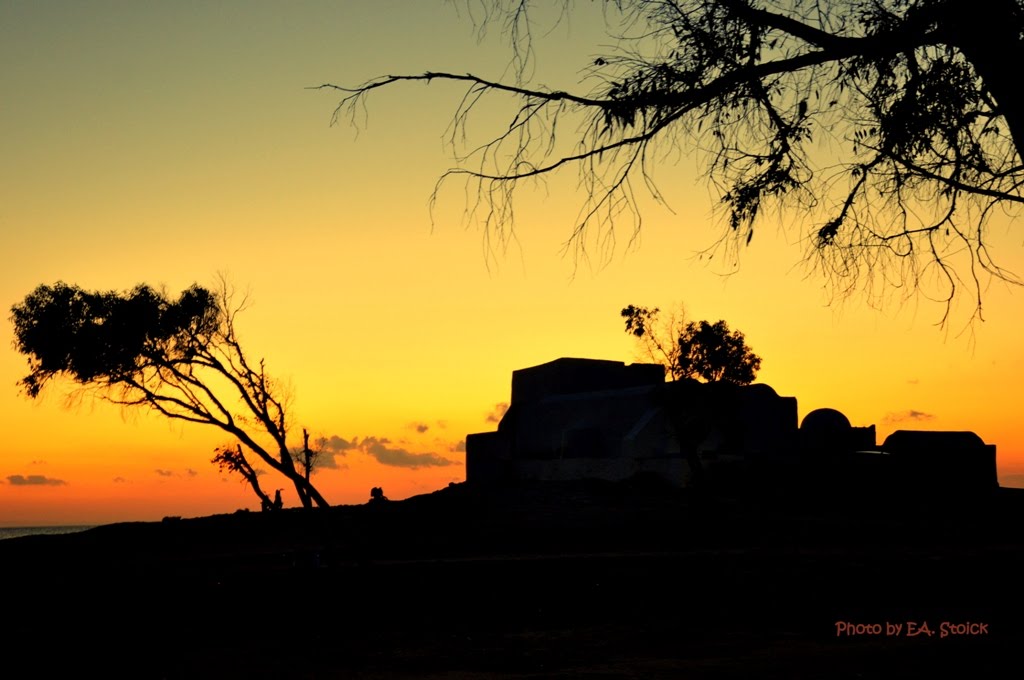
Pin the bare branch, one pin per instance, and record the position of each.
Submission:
(911, 96)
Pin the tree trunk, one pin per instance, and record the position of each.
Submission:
(308, 494)
(302, 487)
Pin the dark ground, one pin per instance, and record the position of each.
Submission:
(581, 580)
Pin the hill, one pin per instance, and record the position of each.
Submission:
(567, 580)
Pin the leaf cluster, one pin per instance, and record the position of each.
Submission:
(712, 353)
(701, 350)
(109, 337)
(181, 358)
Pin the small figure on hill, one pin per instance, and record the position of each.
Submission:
(278, 503)
(377, 495)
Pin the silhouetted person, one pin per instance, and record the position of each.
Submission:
(377, 495)
(278, 503)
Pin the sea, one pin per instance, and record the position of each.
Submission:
(17, 532)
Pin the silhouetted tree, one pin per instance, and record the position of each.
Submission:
(181, 358)
(657, 336)
(701, 350)
(306, 457)
(895, 126)
(233, 460)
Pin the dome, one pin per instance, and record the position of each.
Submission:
(762, 391)
(825, 421)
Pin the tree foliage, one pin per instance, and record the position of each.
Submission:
(696, 349)
(179, 357)
(894, 126)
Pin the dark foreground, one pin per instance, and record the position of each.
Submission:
(560, 581)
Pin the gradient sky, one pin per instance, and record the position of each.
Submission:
(167, 142)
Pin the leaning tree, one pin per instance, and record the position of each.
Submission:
(895, 126)
(180, 358)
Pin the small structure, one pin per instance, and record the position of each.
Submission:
(585, 418)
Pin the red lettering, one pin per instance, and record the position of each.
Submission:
(913, 629)
(967, 628)
(848, 628)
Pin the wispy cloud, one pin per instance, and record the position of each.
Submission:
(399, 457)
(419, 427)
(903, 416)
(383, 450)
(497, 412)
(34, 480)
(460, 446)
(189, 473)
(331, 448)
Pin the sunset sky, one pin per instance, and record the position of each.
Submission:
(167, 142)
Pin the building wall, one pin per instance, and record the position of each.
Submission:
(571, 376)
(580, 418)
(943, 461)
(594, 425)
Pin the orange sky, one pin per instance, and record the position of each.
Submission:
(164, 143)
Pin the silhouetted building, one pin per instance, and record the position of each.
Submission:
(826, 431)
(587, 418)
(943, 461)
(578, 418)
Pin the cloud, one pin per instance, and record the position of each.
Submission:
(330, 449)
(381, 449)
(406, 459)
(442, 424)
(189, 472)
(903, 416)
(398, 457)
(497, 412)
(419, 427)
(119, 480)
(460, 446)
(334, 443)
(34, 480)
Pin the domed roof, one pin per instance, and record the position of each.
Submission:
(761, 390)
(825, 421)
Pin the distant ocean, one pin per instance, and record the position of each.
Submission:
(17, 532)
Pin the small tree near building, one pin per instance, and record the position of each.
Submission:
(696, 349)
